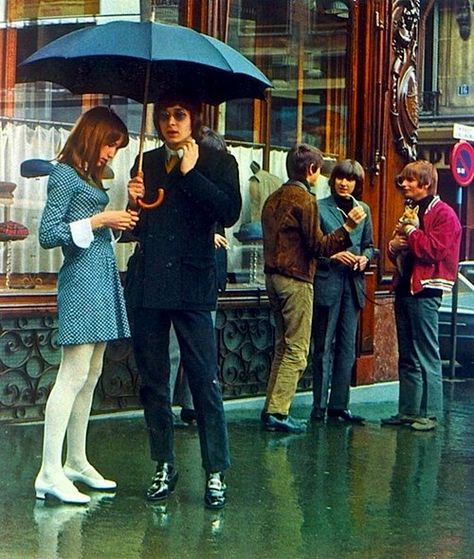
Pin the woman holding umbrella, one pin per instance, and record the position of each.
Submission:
(91, 308)
(171, 279)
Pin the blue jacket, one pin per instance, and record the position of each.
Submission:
(330, 274)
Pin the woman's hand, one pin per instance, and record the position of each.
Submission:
(220, 241)
(361, 263)
(118, 220)
(354, 217)
(345, 257)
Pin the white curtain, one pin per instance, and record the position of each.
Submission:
(19, 142)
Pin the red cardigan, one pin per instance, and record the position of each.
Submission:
(436, 249)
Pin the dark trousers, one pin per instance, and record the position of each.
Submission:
(196, 338)
(334, 350)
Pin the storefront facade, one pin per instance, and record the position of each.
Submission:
(345, 79)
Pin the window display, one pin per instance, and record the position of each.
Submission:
(301, 46)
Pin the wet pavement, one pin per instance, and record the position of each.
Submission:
(337, 491)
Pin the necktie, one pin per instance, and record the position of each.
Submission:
(170, 163)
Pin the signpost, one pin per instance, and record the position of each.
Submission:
(462, 163)
(462, 168)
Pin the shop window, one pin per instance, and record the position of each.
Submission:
(301, 46)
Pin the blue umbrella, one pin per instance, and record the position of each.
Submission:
(143, 61)
(34, 168)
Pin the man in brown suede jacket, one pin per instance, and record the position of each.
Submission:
(292, 239)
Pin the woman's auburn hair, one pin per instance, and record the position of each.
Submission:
(96, 128)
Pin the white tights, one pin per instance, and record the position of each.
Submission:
(68, 409)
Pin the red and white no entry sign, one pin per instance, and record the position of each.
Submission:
(462, 163)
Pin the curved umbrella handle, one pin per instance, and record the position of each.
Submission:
(159, 199)
(155, 204)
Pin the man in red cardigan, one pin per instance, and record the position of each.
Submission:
(429, 268)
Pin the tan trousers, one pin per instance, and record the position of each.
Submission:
(291, 301)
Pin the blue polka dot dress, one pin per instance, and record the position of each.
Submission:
(91, 305)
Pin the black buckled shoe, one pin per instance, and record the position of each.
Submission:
(214, 497)
(164, 482)
(346, 416)
(318, 414)
(188, 416)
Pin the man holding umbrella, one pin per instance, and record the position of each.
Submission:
(171, 279)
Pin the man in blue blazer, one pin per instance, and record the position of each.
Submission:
(339, 294)
(171, 278)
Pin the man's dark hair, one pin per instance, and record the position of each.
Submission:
(349, 169)
(212, 139)
(194, 107)
(299, 160)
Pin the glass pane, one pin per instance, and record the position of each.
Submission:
(38, 123)
(302, 47)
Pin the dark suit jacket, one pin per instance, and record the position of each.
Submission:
(330, 274)
(174, 265)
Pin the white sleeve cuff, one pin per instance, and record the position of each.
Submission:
(81, 232)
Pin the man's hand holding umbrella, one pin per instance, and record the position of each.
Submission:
(136, 191)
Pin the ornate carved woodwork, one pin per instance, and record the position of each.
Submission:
(463, 18)
(29, 357)
(404, 86)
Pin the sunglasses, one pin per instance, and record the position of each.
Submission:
(178, 114)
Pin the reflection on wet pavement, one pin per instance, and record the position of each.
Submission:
(338, 491)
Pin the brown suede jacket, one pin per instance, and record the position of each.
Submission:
(292, 237)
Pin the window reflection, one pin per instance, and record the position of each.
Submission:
(301, 45)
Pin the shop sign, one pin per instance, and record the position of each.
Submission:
(18, 10)
(463, 132)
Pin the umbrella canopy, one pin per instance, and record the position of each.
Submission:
(34, 168)
(143, 61)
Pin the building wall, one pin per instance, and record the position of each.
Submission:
(30, 356)
(381, 133)
(456, 65)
